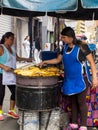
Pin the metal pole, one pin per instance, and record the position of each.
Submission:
(58, 32)
(47, 123)
(23, 120)
(30, 34)
(39, 120)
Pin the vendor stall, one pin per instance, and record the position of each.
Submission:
(71, 9)
(37, 92)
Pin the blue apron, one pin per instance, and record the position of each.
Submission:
(73, 72)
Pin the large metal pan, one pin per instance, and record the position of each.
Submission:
(36, 81)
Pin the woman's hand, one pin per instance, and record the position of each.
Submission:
(95, 81)
(93, 70)
(41, 64)
(7, 69)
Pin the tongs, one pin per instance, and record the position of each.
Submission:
(12, 70)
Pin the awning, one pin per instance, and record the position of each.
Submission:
(86, 10)
(41, 5)
(71, 9)
(48, 5)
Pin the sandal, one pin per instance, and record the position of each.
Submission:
(73, 126)
(83, 128)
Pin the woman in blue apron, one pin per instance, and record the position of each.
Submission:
(76, 75)
(7, 77)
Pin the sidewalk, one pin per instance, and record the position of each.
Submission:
(9, 124)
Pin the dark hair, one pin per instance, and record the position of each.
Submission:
(37, 44)
(6, 35)
(26, 37)
(68, 31)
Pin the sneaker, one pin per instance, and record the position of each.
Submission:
(1, 117)
(13, 114)
(83, 128)
(73, 126)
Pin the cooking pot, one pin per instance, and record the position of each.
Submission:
(37, 98)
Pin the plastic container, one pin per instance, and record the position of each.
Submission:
(48, 55)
